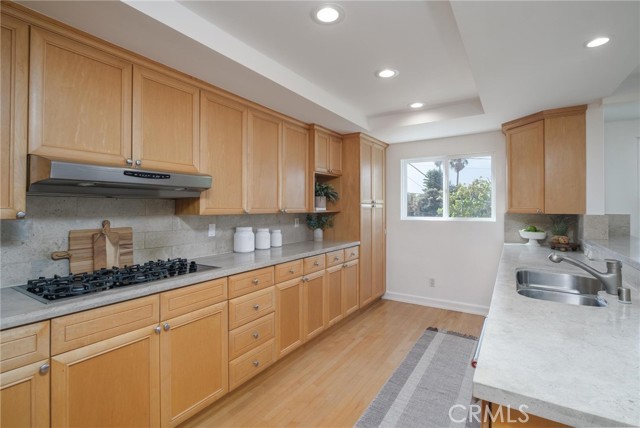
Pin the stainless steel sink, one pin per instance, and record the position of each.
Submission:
(559, 287)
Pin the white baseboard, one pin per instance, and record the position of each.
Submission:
(438, 303)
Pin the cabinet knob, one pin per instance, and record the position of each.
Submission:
(316, 264)
(246, 211)
(305, 279)
(256, 363)
(256, 335)
(538, 211)
(129, 161)
(291, 271)
(255, 281)
(166, 326)
(44, 369)
(336, 258)
(157, 330)
(344, 265)
(353, 254)
(138, 162)
(256, 306)
(21, 214)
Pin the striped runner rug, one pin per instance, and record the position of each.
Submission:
(431, 388)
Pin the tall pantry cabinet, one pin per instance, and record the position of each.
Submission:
(362, 214)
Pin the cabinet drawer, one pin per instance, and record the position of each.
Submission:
(248, 282)
(287, 271)
(251, 307)
(250, 364)
(351, 253)
(84, 328)
(314, 264)
(249, 336)
(24, 345)
(335, 258)
(188, 299)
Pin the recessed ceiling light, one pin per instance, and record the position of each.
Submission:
(599, 41)
(386, 73)
(416, 105)
(328, 14)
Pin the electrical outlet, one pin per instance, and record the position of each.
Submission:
(212, 230)
(296, 222)
(432, 282)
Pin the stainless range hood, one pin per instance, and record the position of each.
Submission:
(60, 178)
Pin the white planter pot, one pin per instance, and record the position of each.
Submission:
(317, 234)
(321, 203)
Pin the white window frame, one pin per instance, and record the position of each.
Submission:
(445, 187)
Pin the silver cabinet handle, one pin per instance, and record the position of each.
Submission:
(256, 306)
(21, 214)
(291, 271)
(129, 161)
(353, 254)
(344, 265)
(255, 281)
(138, 162)
(316, 264)
(256, 335)
(336, 258)
(166, 326)
(245, 211)
(157, 330)
(305, 279)
(44, 369)
(256, 363)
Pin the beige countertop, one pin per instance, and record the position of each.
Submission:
(576, 365)
(18, 309)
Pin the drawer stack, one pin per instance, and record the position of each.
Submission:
(251, 324)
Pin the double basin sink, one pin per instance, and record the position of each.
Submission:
(559, 287)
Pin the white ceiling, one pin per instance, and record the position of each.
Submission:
(475, 64)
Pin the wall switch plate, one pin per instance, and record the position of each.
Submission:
(212, 230)
(296, 222)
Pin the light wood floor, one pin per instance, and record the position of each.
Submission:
(330, 381)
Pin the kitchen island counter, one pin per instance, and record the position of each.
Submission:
(19, 309)
(577, 365)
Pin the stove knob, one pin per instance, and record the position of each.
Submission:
(166, 326)
(44, 369)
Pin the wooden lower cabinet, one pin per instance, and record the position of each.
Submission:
(193, 362)
(289, 316)
(113, 382)
(350, 287)
(334, 294)
(314, 304)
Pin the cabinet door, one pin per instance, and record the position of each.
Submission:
(366, 171)
(321, 150)
(377, 174)
(525, 168)
(289, 319)
(315, 313)
(366, 288)
(79, 101)
(565, 164)
(166, 116)
(263, 163)
(223, 145)
(334, 294)
(335, 155)
(377, 251)
(13, 108)
(24, 396)
(295, 168)
(350, 301)
(194, 364)
(110, 383)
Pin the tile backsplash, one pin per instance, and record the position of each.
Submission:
(26, 245)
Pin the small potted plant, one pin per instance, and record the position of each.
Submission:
(559, 227)
(325, 192)
(318, 223)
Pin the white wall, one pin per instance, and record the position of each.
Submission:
(595, 159)
(621, 166)
(462, 256)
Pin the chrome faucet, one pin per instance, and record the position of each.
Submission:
(611, 279)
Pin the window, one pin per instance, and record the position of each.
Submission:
(448, 188)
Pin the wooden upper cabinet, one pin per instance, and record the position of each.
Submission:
(525, 168)
(79, 101)
(166, 116)
(372, 166)
(223, 146)
(327, 149)
(263, 163)
(295, 168)
(14, 101)
(546, 162)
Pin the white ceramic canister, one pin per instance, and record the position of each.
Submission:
(243, 240)
(263, 240)
(276, 238)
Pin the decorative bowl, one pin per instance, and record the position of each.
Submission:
(532, 237)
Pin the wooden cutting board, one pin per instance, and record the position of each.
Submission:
(106, 247)
(82, 243)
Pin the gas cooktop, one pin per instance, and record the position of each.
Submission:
(48, 290)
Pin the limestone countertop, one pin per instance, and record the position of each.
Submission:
(18, 309)
(576, 365)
